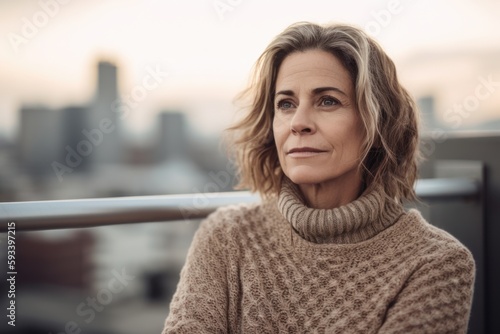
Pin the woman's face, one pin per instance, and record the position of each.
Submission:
(317, 128)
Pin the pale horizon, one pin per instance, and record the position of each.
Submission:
(208, 53)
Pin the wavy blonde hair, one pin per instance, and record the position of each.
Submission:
(388, 113)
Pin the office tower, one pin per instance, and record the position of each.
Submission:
(39, 140)
(104, 120)
(172, 144)
(74, 123)
(427, 113)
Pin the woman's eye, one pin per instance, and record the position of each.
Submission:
(284, 105)
(329, 101)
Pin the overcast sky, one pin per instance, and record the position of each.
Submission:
(207, 46)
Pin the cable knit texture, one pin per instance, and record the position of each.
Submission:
(281, 267)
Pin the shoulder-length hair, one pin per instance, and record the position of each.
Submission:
(388, 113)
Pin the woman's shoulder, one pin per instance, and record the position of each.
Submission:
(235, 213)
(432, 240)
(232, 218)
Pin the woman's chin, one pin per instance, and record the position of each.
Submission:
(304, 179)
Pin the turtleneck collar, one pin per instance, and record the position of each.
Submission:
(357, 221)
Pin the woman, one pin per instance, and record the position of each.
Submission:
(330, 142)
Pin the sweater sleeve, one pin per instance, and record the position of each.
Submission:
(436, 299)
(199, 304)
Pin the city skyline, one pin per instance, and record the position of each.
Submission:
(208, 55)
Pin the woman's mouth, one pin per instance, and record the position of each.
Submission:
(304, 152)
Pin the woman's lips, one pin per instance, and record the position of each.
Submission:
(304, 152)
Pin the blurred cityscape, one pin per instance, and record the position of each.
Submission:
(456, 91)
(80, 151)
(67, 135)
(83, 151)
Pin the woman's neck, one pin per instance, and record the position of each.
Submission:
(331, 195)
(358, 220)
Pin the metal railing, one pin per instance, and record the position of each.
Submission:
(62, 214)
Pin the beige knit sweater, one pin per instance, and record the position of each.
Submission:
(281, 267)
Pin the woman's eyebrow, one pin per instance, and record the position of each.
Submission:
(320, 90)
(315, 91)
(285, 92)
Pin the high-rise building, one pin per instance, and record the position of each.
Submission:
(427, 112)
(74, 123)
(39, 141)
(104, 119)
(172, 144)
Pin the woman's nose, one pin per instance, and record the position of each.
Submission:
(303, 122)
